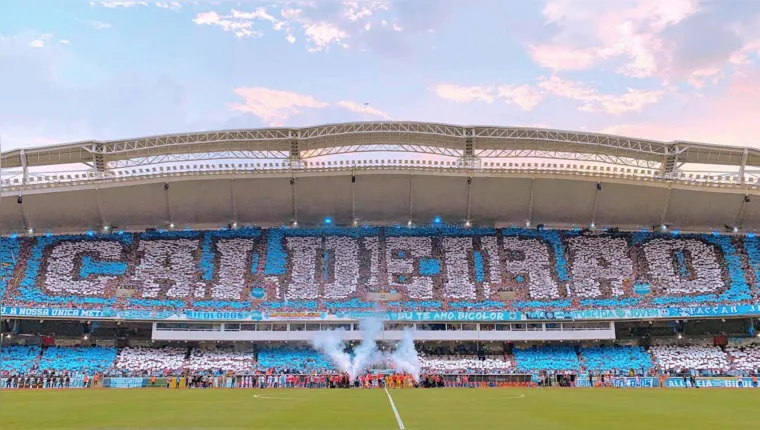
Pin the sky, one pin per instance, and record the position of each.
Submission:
(75, 70)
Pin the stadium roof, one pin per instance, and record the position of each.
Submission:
(489, 175)
(426, 138)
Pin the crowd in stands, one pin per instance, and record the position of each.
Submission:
(333, 269)
(205, 360)
(291, 359)
(682, 358)
(89, 360)
(465, 365)
(547, 358)
(18, 359)
(744, 358)
(601, 359)
(150, 361)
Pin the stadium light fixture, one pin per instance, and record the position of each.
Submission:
(680, 336)
(234, 224)
(356, 222)
(468, 224)
(736, 229)
(328, 220)
(409, 223)
(171, 225)
(106, 228)
(85, 337)
(527, 223)
(30, 230)
(295, 223)
(663, 227)
(437, 219)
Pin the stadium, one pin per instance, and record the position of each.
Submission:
(514, 268)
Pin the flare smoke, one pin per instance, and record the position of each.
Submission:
(404, 357)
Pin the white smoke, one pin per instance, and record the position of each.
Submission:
(367, 354)
(331, 344)
(405, 356)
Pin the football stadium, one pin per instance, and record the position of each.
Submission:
(380, 275)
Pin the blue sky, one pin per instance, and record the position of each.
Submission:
(670, 69)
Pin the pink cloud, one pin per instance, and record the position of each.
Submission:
(273, 106)
(729, 119)
(624, 31)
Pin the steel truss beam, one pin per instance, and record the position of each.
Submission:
(471, 143)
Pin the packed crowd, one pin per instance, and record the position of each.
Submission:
(289, 359)
(466, 365)
(678, 358)
(333, 269)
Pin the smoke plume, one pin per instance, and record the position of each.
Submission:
(404, 357)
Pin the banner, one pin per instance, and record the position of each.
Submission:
(289, 316)
(474, 316)
(74, 382)
(677, 382)
(124, 382)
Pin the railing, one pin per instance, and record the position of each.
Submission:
(14, 181)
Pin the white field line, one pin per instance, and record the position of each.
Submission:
(395, 411)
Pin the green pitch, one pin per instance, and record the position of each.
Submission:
(442, 409)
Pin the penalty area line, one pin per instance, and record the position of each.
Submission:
(395, 411)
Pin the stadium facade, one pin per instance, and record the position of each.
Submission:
(467, 233)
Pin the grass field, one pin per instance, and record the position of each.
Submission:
(443, 409)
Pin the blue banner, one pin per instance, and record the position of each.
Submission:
(474, 316)
(125, 383)
(675, 382)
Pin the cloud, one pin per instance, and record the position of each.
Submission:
(119, 4)
(241, 28)
(171, 5)
(64, 42)
(39, 42)
(168, 5)
(363, 109)
(273, 106)
(321, 25)
(324, 34)
(524, 96)
(97, 25)
(464, 94)
(589, 33)
(593, 101)
(528, 97)
(729, 118)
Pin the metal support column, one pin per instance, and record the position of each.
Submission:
(596, 204)
(469, 200)
(411, 198)
(168, 204)
(739, 221)
(664, 216)
(27, 221)
(353, 196)
(743, 166)
(233, 200)
(103, 220)
(294, 199)
(529, 219)
(25, 170)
